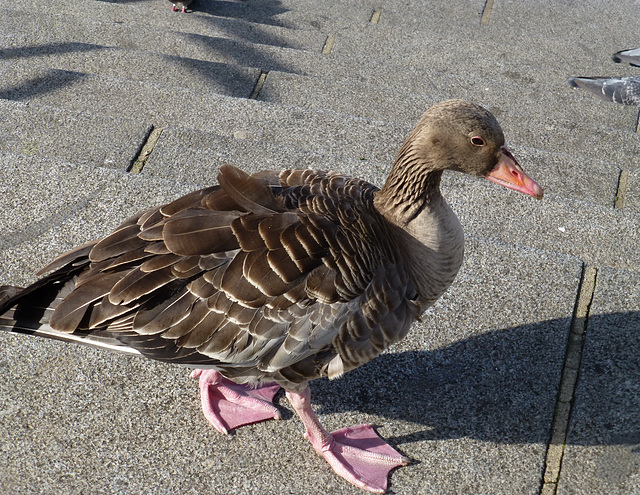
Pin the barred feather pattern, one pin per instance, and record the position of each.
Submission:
(277, 276)
(273, 277)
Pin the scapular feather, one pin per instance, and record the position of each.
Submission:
(250, 193)
(120, 242)
(198, 232)
(138, 283)
(188, 201)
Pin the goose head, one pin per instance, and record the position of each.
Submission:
(452, 135)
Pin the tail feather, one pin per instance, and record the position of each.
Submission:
(28, 310)
(7, 292)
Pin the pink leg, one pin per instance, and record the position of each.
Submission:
(227, 405)
(356, 453)
(173, 9)
(184, 9)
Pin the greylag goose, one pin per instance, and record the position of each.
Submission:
(623, 90)
(180, 5)
(274, 279)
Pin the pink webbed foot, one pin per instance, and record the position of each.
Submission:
(173, 8)
(227, 405)
(184, 9)
(360, 456)
(356, 453)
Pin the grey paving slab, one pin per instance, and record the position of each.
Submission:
(154, 23)
(29, 33)
(76, 135)
(183, 72)
(599, 235)
(330, 16)
(568, 136)
(313, 130)
(195, 156)
(477, 52)
(531, 58)
(192, 155)
(222, 50)
(470, 399)
(588, 26)
(270, 13)
(432, 16)
(402, 100)
(602, 454)
(422, 49)
(162, 104)
(48, 206)
(567, 175)
(559, 130)
(632, 192)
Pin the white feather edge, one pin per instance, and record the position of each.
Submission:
(97, 342)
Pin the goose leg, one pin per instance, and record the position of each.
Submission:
(227, 405)
(356, 453)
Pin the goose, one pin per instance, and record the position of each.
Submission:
(624, 90)
(274, 279)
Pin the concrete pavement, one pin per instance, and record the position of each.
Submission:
(523, 379)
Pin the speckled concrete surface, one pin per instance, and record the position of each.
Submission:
(472, 394)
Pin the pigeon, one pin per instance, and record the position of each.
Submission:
(180, 5)
(624, 90)
(631, 57)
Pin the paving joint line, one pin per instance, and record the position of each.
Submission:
(328, 45)
(149, 143)
(259, 85)
(486, 13)
(621, 190)
(568, 382)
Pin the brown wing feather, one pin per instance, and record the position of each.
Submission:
(122, 241)
(200, 231)
(278, 277)
(69, 257)
(248, 192)
(71, 311)
(164, 314)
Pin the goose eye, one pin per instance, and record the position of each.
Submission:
(477, 141)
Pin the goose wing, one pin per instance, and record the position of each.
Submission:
(285, 277)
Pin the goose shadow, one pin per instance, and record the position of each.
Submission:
(502, 386)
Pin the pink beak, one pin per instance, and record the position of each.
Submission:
(509, 173)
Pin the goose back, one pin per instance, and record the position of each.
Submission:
(279, 277)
